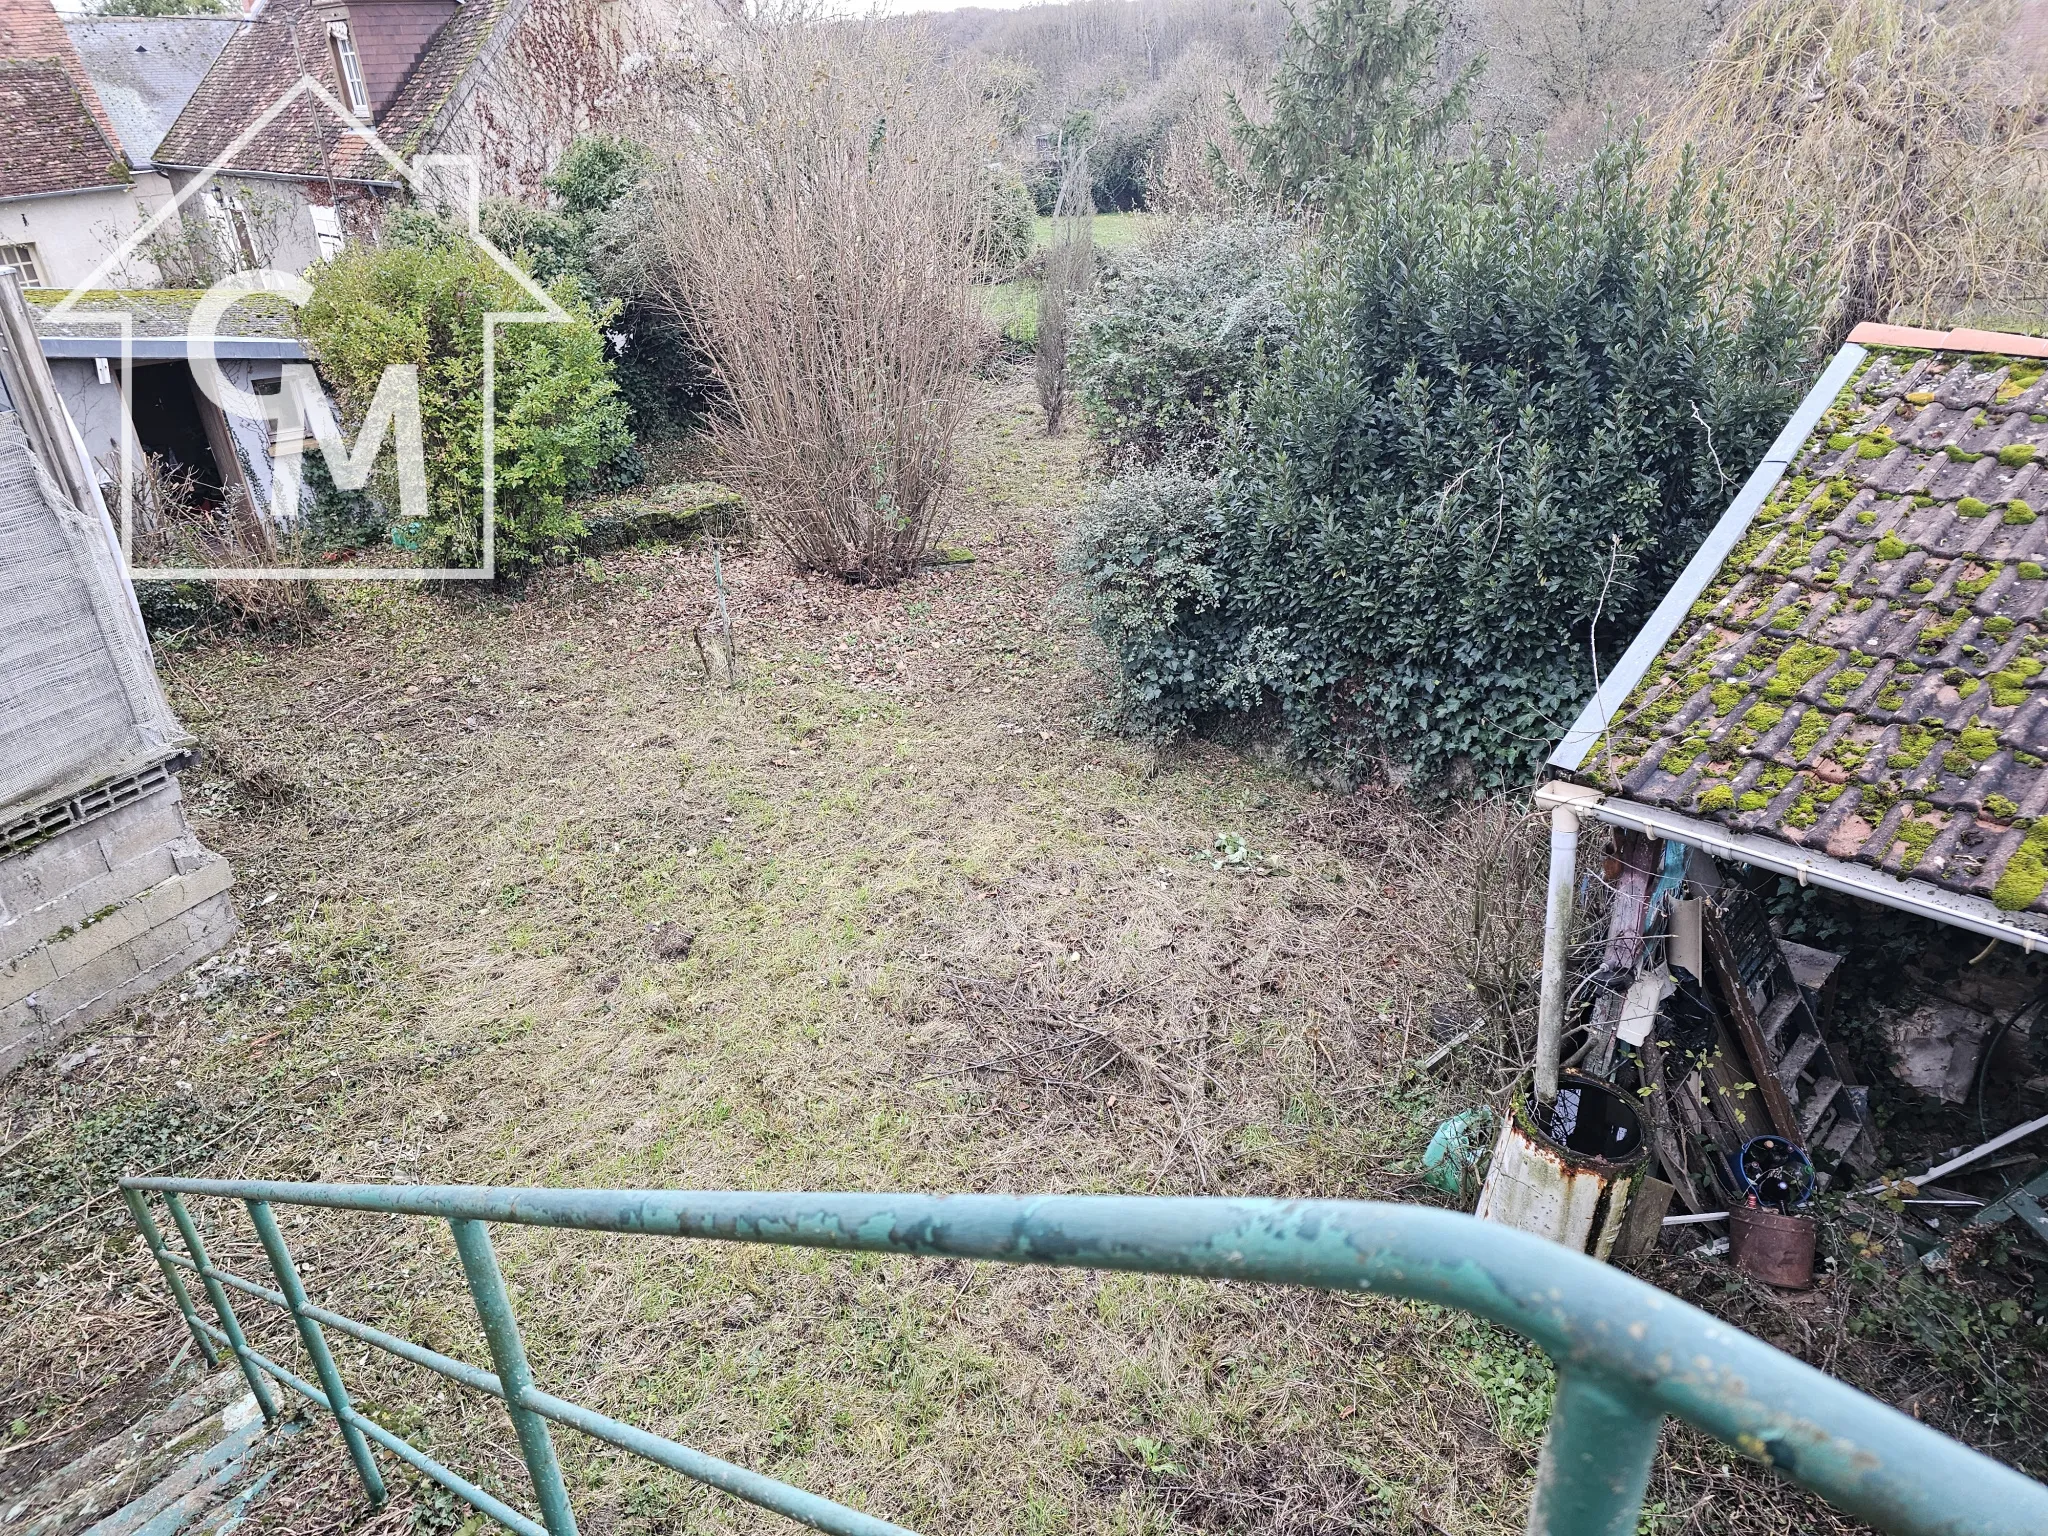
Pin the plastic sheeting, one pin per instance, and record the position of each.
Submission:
(79, 699)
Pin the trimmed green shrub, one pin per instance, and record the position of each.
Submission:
(1121, 155)
(1509, 411)
(559, 416)
(1175, 331)
(1146, 549)
(1009, 224)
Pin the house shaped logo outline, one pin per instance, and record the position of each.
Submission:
(424, 176)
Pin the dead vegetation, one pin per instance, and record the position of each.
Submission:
(820, 218)
(1205, 1054)
(1897, 146)
(177, 523)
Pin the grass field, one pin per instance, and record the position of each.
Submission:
(1113, 231)
(528, 901)
(1012, 307)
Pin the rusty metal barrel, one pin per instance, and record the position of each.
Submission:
(1777, 1249)
(1565, 1170)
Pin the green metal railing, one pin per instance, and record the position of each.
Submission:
(1627, 1354)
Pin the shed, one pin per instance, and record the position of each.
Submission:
(105, 891)
(1846, 683)
(149, 333)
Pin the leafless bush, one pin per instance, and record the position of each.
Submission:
(1898, 149)
(1069, 272)
(176, 524)
(1200, 169)
(819, 228)
(1580, 72)
(224, 230)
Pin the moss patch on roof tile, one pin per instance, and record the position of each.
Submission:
(1818, 597)
(2026, 871)
(1916, 835)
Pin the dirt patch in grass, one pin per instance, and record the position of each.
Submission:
(527, 900)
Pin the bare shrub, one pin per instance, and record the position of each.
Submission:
(177, 524)
(820, 223)
(1898, 149)
(1200, 169)
(1580, 72)
(1069, 272)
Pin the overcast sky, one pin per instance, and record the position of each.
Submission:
(906, 7)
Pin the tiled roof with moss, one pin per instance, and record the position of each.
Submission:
(54, 143)
(262, 63)
(157, 312)
(1864, 675)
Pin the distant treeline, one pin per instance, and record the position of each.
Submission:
(1127, 75)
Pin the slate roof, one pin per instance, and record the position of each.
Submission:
(265, 60)
(1864, 674)
(146, 68)
(54, 143)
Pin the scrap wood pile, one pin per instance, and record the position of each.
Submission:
(1718, 1024)
(1711, 1034)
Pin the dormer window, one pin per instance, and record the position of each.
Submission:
(349, 68)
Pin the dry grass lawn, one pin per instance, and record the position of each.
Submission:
(528, 901)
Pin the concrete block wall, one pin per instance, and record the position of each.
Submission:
(102, 912)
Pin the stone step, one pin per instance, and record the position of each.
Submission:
(177, 1472)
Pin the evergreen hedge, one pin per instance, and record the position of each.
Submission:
(1175, 330)
(559, 416)
(1508, 409)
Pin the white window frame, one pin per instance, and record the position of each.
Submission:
(27, 263)
(327, 233)
(231, 219)
(349, 67)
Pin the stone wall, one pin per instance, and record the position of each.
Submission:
(102, 911)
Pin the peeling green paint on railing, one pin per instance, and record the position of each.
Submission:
(1627, 1354)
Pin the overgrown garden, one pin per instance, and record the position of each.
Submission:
(1086, 759)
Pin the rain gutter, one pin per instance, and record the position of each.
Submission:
(1700, 571)
(145, 349)
(1808, 867)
